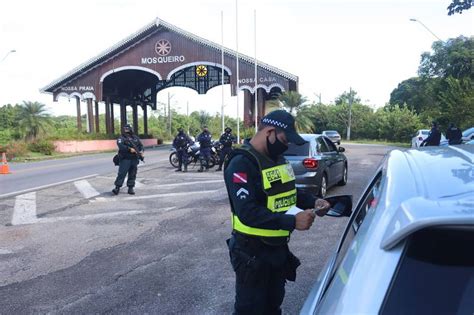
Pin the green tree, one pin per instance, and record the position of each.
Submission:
(451, 58)
(33, 119)
(346, 96)
(458, 6)
(292, 101)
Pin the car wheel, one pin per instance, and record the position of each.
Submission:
(323, 187)
(343, 181)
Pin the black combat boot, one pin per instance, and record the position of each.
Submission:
(178, 170)
(116, 190)
(131, 191)
(219, 169)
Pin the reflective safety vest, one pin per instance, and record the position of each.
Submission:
(278, 183)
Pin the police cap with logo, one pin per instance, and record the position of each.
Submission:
(285, 122)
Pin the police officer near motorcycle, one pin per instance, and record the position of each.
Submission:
(266, 207)
(205, 143)
(130, 152)
(226, 139)
(181, 143)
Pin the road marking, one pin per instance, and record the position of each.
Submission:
(45, 186)
(86, 189)
(119, 199)
(191, 183)
(25, 209)
(100, 215)
(5, 251)
(138, 184)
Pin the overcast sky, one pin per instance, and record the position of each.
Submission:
(330, 45)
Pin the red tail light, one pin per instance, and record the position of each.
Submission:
(310, 163)
(420, 138)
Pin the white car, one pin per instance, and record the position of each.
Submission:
(468, 134)
(422, 134)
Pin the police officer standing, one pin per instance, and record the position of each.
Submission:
(205, 143)
(181, 143)
(261, 188)
(454, 134)
(226, 140)
(130, 151)
(434, 137)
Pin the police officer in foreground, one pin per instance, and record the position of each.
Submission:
(454, 135)
(205, 143)
(130, 151)
(434, 137)
(181, 143)
(266, 208)
(226, 139)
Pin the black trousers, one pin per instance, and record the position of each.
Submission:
(205, 156)
(261, 272)
(182, 157)
(223, 154)
(130, 167)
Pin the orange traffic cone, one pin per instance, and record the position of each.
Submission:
(4, 169)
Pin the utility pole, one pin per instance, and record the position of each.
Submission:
(187, 114)
(169, 111)
(350, 115)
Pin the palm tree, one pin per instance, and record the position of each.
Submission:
(33, 119)
(292, 101)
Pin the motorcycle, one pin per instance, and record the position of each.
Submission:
(193, 155)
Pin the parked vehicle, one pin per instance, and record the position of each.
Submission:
(193, 155)
(318, 164)
(468, 134)
(407, 248)
(422, 134)
(333, 135)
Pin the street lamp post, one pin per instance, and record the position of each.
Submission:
(415, 20)
(11, 51)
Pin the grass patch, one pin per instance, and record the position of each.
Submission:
(381, 142)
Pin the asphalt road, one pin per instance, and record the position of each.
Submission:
(26, 176)
(76, 249)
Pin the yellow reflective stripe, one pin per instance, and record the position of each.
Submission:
(239, 226)
(282, 202)
(343, 275)
(282, 172)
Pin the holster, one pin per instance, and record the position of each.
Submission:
(292, 263)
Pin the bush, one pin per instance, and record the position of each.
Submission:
(16, 150)
(42, 146)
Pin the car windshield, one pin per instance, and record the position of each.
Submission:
(331, 133)
(468, 132)
(297, 150)
(425, 132)
(437, 267)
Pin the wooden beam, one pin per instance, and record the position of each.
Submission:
(79, 118)
(97, 128)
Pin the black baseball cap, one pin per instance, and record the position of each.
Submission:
(286, 122)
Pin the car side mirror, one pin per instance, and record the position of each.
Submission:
(341, 206)
(341, 149)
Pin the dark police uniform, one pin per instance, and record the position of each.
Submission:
(227, 140)
(204, 140)
(260, 192)
(128, 160)
(433, 139)
(454, 135)
(181, 142)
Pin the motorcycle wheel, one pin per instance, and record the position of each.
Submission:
(174, 159)
(213, 161)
